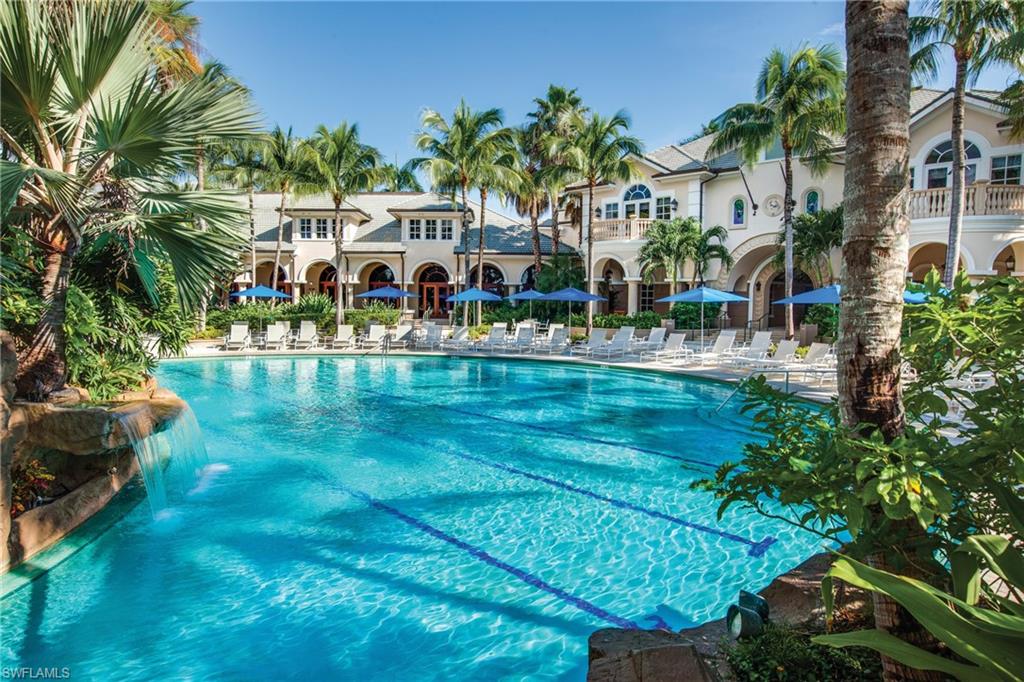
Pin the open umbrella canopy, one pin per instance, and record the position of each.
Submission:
(570, 294)
(830, 295)
(259, 292)
(528, 295)
(473, 294)
(703, 295)
(386, 292)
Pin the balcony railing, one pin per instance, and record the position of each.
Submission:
(979, 199)
(621, 229)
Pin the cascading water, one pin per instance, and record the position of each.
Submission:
(172, 459)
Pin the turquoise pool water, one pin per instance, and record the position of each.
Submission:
(410, 519)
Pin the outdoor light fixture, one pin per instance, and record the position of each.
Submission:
(675, 205)
(597, 211)
(1011, 264)
(757, 286)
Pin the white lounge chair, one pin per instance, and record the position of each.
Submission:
(345, 338)
(459, 340)
(758, 348)
(523, 341)
(595, 340)
(277, 336)
(672, 350)
(373, 338)
(238, 337)
(431, 338)
(402, 336)
(555, 344)
(723, 343)
(784, 356)
(616, 347)
(654, 341)
(307, 338)
(494, 339)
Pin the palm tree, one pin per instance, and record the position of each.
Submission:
(973, 31)
(85, 160)
(288, 169)
(875, 238)
(669, 243)
(398, 179)
(799, 104)
(494, 171)
(1013, 99)
(341, 166)
(176, 49)
(556, 116)
(242, 166)
(529, 196)
(709, 246)
(599, 153)
(815, 236)
(462, 154)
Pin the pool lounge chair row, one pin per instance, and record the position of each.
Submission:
(523, 340)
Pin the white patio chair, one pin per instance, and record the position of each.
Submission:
(784, 356)
(555, 344)
(654, 341)
(617, 347)
(758, 348)
(523, 341)
(345, 338)
(373, 338)
(402, 336)
(307, 337)
(430, 340)
(672, 350)
(594, 341)
(459, 341)
(277, 336)
(238, 337)
(494, 339)
(723, 343)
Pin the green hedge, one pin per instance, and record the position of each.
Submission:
(314, 310)
(826, 317)
(687, 315)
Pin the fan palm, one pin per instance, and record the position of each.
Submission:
(710, 246)
(399, 179)
(288, 169)
(176, 48)
(1013, 99)
(91, 144)
(529, 196)
(470, 151)
(973, 31)
(341, 165)
(556, 117)
(598, 152)
(815, 236)
(799, 105)
(668, 244)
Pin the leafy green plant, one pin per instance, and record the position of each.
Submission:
(479, 331)
(381, 312)
(687, 315)
(783, 654)
(644, 320)
(826, 317)
(29, 480)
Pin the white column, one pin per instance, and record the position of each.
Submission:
(632, 296)
(751, 290)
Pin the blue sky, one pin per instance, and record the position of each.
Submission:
(670, 65)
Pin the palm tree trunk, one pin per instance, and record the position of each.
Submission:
(339, 309)
(280, 238)
(480, 253)
(956, 199)
(788, 222)
(535, 235)
(874, 253)
(201, 187)
(465, 256)
(42, 364)
(252, 235)
(590, 254)
(556, 234)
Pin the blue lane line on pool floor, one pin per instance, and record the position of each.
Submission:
(489, 559)
(757, 549)
(538, 427)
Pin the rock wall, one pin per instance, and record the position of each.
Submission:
(85, 446)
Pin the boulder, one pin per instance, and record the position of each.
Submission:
(644, 656)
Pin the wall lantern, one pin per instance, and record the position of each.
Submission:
(597, 211)
(1011, 264)
(675, 205)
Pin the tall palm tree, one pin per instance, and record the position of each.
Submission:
(668, 244)
(530, 195)
(599, 152)
(176, 46)
(798, 104)
(556, 116)
(242, 166)
(710, 246)
(1013, 99)
(396, 178)
(973, 31)
(288, 169)
(92, 145)
(875, 237)
(341, 165)
(815, 236)
(462, 154)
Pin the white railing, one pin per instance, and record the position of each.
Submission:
(621, 229)
(980, 198)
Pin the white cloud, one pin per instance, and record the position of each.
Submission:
(836, 29)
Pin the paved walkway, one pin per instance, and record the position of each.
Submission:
(809, 389)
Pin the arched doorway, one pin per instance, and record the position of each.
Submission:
(1010, 260)
(381, 276)
(264, 277)
(433, 289)
(494, 281)
(777, 289)
(926, 256)
(528, 280)
(327, 283)
(611, 285)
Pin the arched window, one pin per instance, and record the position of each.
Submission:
(327, 283)
(528, 278)
(739, 211)
(939, 164)
(382, 276)
(433, 290)
(637, 202)
(812, 201)
(493, 279)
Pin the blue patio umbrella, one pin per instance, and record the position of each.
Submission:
(830, 295)
(259, 292)
(570, 295)
(473, 294)
(530, 295)
(703, 295)
(386, 292)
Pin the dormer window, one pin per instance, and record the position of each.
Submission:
(415, 226)
(637, 202)
(322, 228)
(447, 228)
(430, 229)
(305, 228)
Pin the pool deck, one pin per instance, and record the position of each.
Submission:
(808, 390)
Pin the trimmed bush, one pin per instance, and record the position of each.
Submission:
(687, 315)
(782, 654)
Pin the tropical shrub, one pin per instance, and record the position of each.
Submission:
(29, 480)
(479, 331)
(644, 320)
(826, 317)
(783, 654)
(506, 312)
(687, 315)
(381, 312)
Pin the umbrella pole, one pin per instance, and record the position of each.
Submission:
(701, 327)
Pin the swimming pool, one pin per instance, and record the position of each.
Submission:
(410, 519)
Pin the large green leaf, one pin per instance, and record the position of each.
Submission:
(999, 554)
